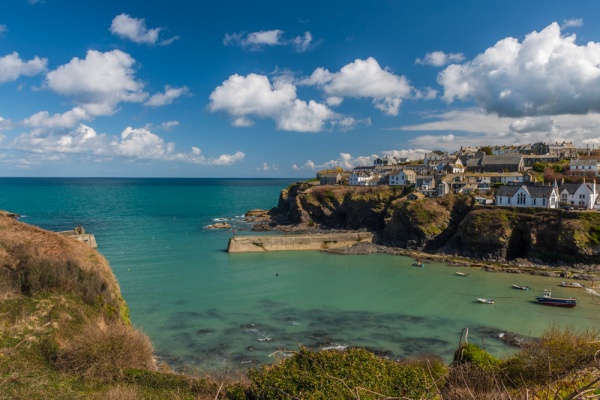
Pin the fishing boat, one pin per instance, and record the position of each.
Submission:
(462, 273)
(520, 287)
(547, 299)
(575, 285)
(486, 301)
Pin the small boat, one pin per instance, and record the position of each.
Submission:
(575, 285)
(463, 273)
(486, 301)
(520, 287)
(419, 263)
(547, 299)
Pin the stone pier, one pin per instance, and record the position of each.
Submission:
(243, 244)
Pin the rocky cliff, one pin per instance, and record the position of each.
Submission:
(453, 225)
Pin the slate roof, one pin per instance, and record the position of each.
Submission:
(501, 159)
(535, 191)
(572, 187)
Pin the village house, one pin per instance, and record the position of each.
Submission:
(584, 167)
(418, 168)
(531, 159)
(504, 163)
(363, 178)
(402, 177)
(560, 150)
(431, 160)
(580, 195)
(331, 178)
(527, 195)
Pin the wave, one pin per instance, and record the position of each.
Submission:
(592, 292)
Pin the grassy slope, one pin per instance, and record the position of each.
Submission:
(65, 333)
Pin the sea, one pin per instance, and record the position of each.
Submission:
(209, 311)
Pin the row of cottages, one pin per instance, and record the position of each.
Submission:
(503, 163)
(580, 195)
(584, 167)
(467, 183)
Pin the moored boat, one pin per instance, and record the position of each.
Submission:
(486, 301)
(520, 287)
(575, 285)
(547, 299)
(462, 273)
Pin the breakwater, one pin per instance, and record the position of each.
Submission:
(243, 244)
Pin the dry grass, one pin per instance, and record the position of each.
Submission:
(103, 354)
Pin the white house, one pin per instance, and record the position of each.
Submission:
(582, 195)
(523, 195)
(402, 178)
(584, 167)
(363, 178)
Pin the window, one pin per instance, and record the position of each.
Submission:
(521, 198)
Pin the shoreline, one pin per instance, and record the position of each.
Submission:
(488, 266)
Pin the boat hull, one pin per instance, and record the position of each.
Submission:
(557, 302)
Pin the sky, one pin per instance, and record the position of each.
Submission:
(269, 89)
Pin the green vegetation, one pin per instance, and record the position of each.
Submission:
(350, 374)
(65, 333)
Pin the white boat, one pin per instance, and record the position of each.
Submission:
(575, 285)
(486, 301)
(463, 273)
(520, 287)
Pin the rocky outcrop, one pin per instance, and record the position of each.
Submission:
(452, 225)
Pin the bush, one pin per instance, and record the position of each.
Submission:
(557, 353)
(472, 354)
(349, 374)
(104, 354)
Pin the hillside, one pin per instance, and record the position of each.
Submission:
(65, 334)
(452, 225)
(64, 327)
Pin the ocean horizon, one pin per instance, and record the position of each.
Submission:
(209, 310)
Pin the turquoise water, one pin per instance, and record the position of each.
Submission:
(204, 308)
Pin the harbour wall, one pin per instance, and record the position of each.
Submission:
(244, 244)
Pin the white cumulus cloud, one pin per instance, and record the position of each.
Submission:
(439, 58)
(256, 41)
(99, 82)
(302, 43)
(12, 67)
(545, 74)
(135, 29)
(243, 97)
(132, 143)
(572, 23)
(363, 79)
(169, 95)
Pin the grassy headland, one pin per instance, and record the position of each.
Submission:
(65, 334)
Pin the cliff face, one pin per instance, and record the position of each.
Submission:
(452, 224)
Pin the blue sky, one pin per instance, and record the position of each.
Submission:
(282, 89)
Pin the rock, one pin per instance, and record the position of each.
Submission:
(219, 225)
(262, 227)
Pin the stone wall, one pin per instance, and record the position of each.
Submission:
(242, 244)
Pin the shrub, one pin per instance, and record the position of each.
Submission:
(349, 374)
(557, 353)
(104, 354)
(472, 354)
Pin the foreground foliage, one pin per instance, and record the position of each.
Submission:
(65, 334)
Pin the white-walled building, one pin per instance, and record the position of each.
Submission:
(522, 195)
(581, 195)
(402, 178)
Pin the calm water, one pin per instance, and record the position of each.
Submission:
(207, 309)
